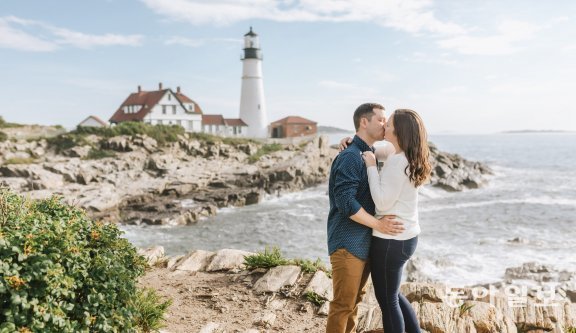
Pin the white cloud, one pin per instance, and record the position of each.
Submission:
(20, 40)
(86, 41)
(179, 40)
(413, 16)
(505, 42)
(28, 35)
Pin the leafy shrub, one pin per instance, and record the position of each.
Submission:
(161, 133)
(150, 309)
(3, 136)
(61, 272)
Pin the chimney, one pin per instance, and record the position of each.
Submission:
(160, 86)
(178, 90)
(139, 89)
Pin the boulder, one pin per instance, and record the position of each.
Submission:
(321, 285)
(194, 261)
(276, 278)
(227, 259)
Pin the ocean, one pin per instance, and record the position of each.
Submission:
(527, 213)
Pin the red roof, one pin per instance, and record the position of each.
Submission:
(235, 122)
(212, 119)
(290, 120)
(147, 100)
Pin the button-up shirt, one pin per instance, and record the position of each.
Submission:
(348, 190)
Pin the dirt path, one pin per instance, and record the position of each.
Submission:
(225, 302)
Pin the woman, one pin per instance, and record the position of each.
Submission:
(395, 192)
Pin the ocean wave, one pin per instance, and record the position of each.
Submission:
(548, 201)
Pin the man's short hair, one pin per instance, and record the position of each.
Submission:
(365, 110)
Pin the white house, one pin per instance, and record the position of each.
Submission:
(216, 124)
(162, 106)
(93, 121)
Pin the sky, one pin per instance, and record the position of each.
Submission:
(466, 66)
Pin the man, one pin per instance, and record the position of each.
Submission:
(351, 220)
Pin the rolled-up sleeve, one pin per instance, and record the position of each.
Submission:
(346, 182)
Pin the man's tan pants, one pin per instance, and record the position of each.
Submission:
(349, 275)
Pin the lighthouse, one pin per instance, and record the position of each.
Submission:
(252, 104)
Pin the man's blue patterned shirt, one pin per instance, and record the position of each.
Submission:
(348, 191)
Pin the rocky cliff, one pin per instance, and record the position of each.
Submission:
(134, 179)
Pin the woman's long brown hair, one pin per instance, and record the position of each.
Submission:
(413, 140)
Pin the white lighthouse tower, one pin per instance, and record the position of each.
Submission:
(252, 104)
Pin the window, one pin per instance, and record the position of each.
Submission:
(191, 107)
(163, 109)
(169, 97)
(173, 109)
(190, 124)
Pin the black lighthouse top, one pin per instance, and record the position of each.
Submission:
(251, 46)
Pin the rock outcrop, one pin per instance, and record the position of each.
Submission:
(181, 182)
(279, 290)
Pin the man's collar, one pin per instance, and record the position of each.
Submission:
(361, 144)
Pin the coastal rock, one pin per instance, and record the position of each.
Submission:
(211, 172)
(321, 285)
(194, 261)
(277, 278)
(453, 173)
(152, 254)
(227, 259)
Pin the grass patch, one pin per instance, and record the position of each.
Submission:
(571, 329)
(150, 309)
(96, 154)
(209, 138)
(272, 258)
(465, 308)
(18, 160)
(265, 150)
(314, 298)
(309, 266)
(3, 136)
(4, 124)
(266, 259)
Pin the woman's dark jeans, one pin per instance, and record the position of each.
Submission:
(387, 259)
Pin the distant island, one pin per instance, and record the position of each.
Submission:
(330, 129)
(537, 131)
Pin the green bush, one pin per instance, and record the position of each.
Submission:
(3, 136)
(61, 272)
(161, 133)
(150, 309)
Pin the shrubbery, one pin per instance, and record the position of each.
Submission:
(61, 272)
(3, 136)
(272, 258)
(161, 133)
